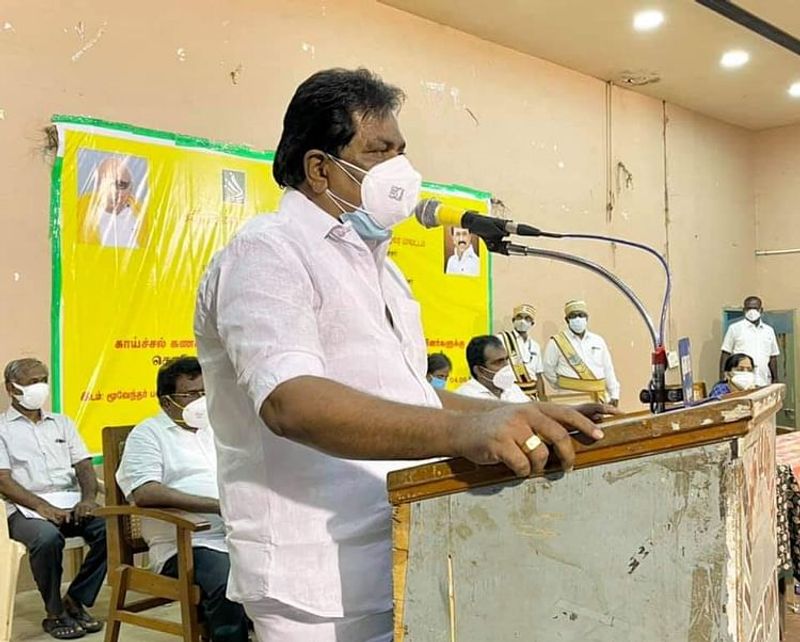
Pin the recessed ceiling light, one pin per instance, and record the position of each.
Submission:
(648, 20)
(734, 58)
(794, 90)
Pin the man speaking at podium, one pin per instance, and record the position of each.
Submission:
(314, 363)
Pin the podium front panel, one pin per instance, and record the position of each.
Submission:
(677, 545)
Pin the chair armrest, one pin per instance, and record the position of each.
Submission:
(179, 518)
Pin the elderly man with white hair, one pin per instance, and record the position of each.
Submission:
(110, 215)
(576, 360)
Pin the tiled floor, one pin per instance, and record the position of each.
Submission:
(28, 616)
(792, 626)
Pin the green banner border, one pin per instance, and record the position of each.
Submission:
(180, 140)
(55, 283)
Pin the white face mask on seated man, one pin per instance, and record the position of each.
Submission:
(32, 397)
(503, 378)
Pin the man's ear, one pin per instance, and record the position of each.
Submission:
(316, 166)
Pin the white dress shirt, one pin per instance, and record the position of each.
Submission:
(118, 230)
(474, 388)
(529, 352)
(40, 456)
(158, 450)
(468, 264)
(299, 293)
(756, 341)
(593, 350)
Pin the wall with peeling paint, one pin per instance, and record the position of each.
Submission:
(533, 133)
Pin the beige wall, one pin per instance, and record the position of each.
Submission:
(777, 187)
(537, 139)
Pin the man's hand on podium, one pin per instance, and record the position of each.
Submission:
(499, 435)
(598, 411)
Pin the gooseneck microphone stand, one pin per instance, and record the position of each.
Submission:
(656, 393)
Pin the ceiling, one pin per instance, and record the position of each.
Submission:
(596, 37)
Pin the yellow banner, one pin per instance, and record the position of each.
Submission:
(136, 216)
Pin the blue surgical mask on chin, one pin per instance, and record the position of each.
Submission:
(438, 383)
(365, 227)
(362, 222)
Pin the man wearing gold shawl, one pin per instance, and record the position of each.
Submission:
(577, 360)
(524, 352)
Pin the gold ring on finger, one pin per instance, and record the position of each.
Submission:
(531, 444)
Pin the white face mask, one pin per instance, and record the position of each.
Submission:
(389, 191)
(33, 396)
(195, 414)
(522, 325)
(744, 380)
(752, 315)
(578, 324)
(504, 378)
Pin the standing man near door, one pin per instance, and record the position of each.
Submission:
(754, 338)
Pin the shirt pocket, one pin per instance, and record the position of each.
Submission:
(29, 467)
(407, 319)
(596, 361)
(764, 347)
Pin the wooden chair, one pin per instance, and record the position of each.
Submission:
(11, 554)
(124, 540)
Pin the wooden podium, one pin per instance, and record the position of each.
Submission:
(664, 531)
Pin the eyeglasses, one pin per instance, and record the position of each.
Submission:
(187, 396)
(122, 184)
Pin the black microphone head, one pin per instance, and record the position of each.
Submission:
(425, 212)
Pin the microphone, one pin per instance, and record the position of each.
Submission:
(432, 213)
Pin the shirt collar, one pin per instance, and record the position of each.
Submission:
(12, 414)
(169, 423)
(322, 225)
(479, 385)
(313, 217)
(164, 419)
(468, 254)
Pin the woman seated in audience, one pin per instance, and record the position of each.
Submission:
(439, 367)
(738, 376)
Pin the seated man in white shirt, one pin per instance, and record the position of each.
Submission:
(492, 376)
(50, 487)
(170, 462)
